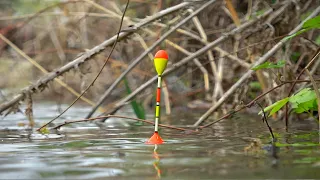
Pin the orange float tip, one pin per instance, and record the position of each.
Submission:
(162, 54)
(155, 139)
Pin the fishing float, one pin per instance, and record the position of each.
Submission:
(160, 64)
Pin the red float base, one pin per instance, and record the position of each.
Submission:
(155, 139)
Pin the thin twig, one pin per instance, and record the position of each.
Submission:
(91, 84)
(123, 117)
(266, 121)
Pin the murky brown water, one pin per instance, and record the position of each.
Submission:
(83, 151)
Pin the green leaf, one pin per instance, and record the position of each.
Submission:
(302, 96)
(312, 23)
(275, 107)
(255, 85)
(308, 25)
(44, 130)
(295, 56)
(304, 107)
(268, 65)
(304, 101)
(137, 107)
(317, 41)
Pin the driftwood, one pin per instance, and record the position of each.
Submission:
(43, 81)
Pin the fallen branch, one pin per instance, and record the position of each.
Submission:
(43, 81)
(122, 117)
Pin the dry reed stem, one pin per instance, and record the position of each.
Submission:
(233, 12)
(236, 20)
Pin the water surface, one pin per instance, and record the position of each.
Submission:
(117, 151)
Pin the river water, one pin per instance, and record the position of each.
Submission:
(118, 150)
